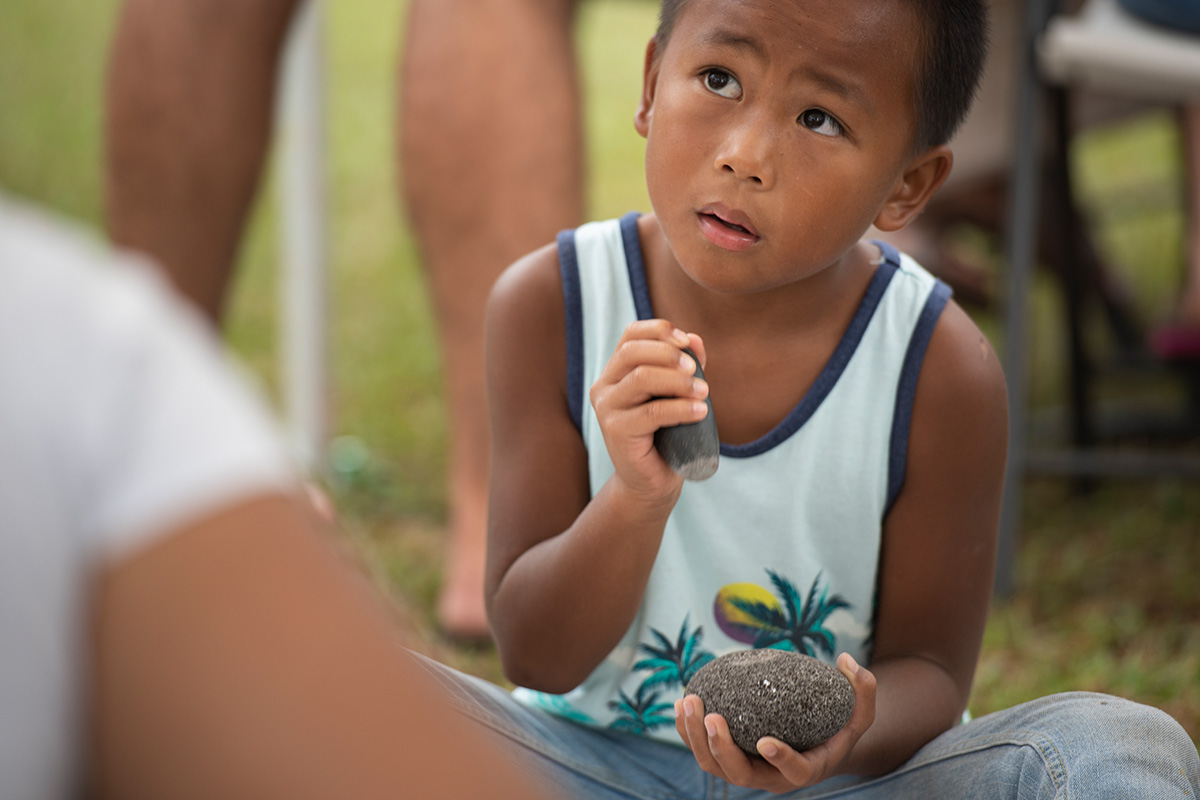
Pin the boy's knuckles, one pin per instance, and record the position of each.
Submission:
(663, 413)
(640, 376)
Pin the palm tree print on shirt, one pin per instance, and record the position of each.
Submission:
(674, 663)
(748, 613)
(643, 712)
(670, 664)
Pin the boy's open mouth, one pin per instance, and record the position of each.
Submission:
(727, 228)
(731, 225)
(728, 219)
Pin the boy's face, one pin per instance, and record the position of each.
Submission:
(777, 131)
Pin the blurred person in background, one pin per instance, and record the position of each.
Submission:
(1180, 338)
(490, 147)
(173, 622)
(975, 195)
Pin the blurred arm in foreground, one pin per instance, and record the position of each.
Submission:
(173, 622)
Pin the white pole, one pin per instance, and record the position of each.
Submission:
(302, 282)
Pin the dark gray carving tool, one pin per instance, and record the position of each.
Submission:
(692, 449)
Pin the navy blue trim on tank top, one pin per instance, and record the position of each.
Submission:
(906, 390)
(833, 368)
(636, 265)
(568, 267)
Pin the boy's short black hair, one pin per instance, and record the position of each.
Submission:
(955, 39)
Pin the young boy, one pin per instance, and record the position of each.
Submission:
(862, 419)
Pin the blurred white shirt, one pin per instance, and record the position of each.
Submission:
(120, 419)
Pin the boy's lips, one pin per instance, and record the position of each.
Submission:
(727, 228)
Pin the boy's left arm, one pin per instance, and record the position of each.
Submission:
(936, 570)
(938, 553)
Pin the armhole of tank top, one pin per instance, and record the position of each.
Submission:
(635, 265)
(568, 267)
(906, 389)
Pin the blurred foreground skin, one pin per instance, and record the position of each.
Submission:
(238, 658)
(173, 623)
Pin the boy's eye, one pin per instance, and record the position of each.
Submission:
(820, 122)
(718, 81)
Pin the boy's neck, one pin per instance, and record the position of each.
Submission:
(799, 309)
(764, 350)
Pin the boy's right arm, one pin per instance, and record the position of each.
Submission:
(566, 571)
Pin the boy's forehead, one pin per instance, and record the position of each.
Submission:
(849, 24)
(869, 44)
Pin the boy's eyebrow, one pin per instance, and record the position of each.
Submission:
(728, 37)
(852, 92)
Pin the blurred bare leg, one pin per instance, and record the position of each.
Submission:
(491, 162)
(190, 97)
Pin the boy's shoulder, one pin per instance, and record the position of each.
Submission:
(525, 317)
(959, 356)
(535, 279)
(531, 279)
(961, 376)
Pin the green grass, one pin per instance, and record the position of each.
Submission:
(1107, 595)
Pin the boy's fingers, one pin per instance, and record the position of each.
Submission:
(733, 765)
(798, 769)
(863, 682)
(645, 382)
(649, 352)
(697, 346)
(698, 736)
(680, 728)
(667, 396)
(658, 329)
(819, 763)
(651, 411)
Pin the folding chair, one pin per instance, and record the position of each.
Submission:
(1102, 47)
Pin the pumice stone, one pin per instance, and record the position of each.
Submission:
(691, 449)
(796, 698)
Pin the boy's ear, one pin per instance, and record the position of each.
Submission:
(922, 177)
(641, 119)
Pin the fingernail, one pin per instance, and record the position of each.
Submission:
(699, 388)
(680, 337)
(768, 749)
(687, 363)
(687, 708)
(711, 727)
(853, 664)
(700, 409)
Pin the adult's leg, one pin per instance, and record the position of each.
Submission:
(190, 95)
(491, 165)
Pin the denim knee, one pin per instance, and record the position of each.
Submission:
(1111, 747)
(1060, 747)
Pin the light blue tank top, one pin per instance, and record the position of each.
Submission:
(780, 548)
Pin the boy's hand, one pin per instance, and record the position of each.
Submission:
(784, 769)
(647, 384)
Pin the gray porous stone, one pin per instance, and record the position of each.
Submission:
(796, 698)
(692, 449)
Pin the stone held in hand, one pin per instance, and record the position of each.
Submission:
(798, 699)
(692, 449)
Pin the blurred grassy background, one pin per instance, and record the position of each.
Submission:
(1107, 593)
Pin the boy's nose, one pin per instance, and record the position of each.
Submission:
(747, 153)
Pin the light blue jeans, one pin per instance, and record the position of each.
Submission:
(1077, 745)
